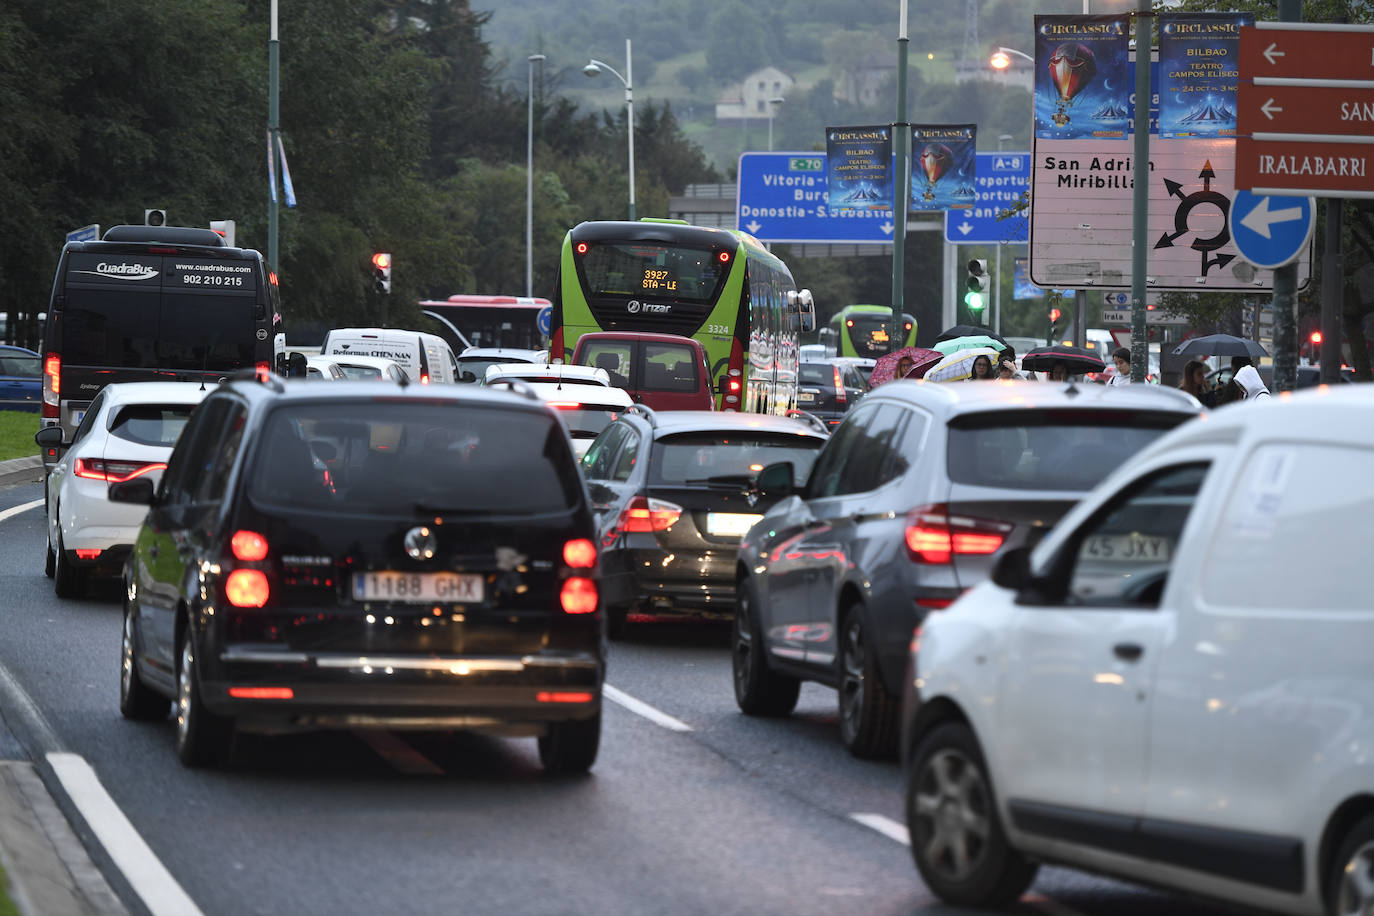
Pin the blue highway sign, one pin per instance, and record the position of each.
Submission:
(544, 319)
(781, 197)
(1001, 180)
(89, 233)
(1271, 231)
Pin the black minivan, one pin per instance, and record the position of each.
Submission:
(356, 556)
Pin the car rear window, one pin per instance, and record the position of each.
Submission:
(584, 421)
(390, 455)
(1049, 449)
(707, 457)
(151, 424)
(669, 367)
(366, 373)
(816, 374)
(20, 365)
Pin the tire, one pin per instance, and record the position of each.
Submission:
(1350, 875)
(68, 581)
(759, 690)
(869, 720)
(136, 700)
(957, 839)
(202, 738)
(570, 747)
(50, 561)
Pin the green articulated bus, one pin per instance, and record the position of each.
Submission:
(717, 286)
(862, 331)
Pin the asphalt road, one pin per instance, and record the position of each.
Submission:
(734, 815)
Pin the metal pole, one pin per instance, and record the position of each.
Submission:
(997, 290)
(529, 181)
(1286, 282)
(630, 113)
(273, 127)
(901, 141)
(1333, 272)
(1140, 228)
(770, 131)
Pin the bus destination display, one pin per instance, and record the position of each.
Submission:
(659, 279)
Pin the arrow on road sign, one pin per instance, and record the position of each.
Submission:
(887, 228)
(1272, 52)
(753, 226)
(1261, 217)
(1269, 108)
(965, 227)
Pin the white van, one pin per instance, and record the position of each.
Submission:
(425, 357)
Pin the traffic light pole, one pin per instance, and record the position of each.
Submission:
(901, 187)
(273, 127)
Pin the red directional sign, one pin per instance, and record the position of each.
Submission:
(1308, 51)
(1304, 110)
(1306, 168)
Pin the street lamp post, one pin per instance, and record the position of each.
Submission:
(529, 182)
(997, 289)
(594, 68)
(773, 104)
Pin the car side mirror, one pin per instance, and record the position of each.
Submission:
(775, 481)
(49, 437)
(139, 491)
(1013, 570)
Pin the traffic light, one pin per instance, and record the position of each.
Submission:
(225, 227)
(154, 217)
(976, 285)
(1316, 339)
(381, 272)
(1054, 322)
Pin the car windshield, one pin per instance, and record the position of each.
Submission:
(391, 455)
(700, 457)
(151, 424)
(1049, 449)
(365, 373)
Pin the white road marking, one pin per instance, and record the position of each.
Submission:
(640, 708)
(149, 878)
(1053, 907)
(22, 507)
(884, 825)
(397, 752)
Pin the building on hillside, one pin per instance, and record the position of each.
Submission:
(863, 85)
(748, 101)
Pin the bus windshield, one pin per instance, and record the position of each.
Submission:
(653, 269)
(103, 327)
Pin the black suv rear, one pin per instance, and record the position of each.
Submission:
(354, 556)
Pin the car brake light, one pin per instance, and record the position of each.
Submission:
(87, 553)
(264, 370)
(424, 378)
(248, 545)
(262, 693)
(52, 384)
(840, 396)
(580, 554)
(578, 595)
(564, 405)
(246, 588)
(645, 515)
(112, 471)
(935, 536)
(563, 696)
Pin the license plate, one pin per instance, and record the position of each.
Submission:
(1128, 548)
(77, 417)
(416, 588)
(806, 397)
(730, 524)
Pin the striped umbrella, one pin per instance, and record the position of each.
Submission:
(958, 366)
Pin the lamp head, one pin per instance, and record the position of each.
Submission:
(592, 70)
(1000, 60)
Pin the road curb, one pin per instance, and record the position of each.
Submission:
(21, 470)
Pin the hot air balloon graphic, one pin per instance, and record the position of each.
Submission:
(936, 159)
(1072, 68)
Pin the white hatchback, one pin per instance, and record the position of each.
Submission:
(586, 409)
(128, 431)
(556, 373)
(1176, 685)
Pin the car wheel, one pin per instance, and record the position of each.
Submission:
(570, 747)
(869, 719)
(50, 561)
(1350, 885)
(68, 581)
(759, 690)
(136, 700)
(203, 738)
(956, 836)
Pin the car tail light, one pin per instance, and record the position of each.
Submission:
(935, 536)
(113, 471)
(580, 554)
(578, 595)
(246, 588)
(563, 696)
(264, 369)
(424, 378)
(87, 553)
(840, 396)
(52, 384)
(644, 515)
(262, 693)
(248, 545)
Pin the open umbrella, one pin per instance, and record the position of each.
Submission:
(1075, 359)
(1220, 345)
(955, 344)
(959, 365)
(885, 370)
(970, 330)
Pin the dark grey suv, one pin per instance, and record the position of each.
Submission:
(910, 503)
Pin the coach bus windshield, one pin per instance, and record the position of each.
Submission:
(653, 270)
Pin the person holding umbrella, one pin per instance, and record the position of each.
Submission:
(1195, 383)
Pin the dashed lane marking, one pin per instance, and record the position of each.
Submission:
(884, 825)
(640, 708)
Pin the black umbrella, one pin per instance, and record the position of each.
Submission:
(1075, 359)
(970, 330)
(1220, 345)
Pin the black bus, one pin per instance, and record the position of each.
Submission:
(153, 303)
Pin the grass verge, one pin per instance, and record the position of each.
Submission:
(7, 907)
(16, 438)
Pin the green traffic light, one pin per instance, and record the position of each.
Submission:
(974, 301)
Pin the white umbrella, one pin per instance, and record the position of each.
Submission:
(959, 365)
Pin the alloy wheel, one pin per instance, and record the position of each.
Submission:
(744, 645)
(184, 676)
(852, 677)
(1355, 897)
(951, 814)
(126, 664)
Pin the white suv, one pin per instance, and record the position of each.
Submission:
(1176, 685)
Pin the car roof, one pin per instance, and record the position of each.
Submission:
(1322, 413)
(156, 392)
(651, 336)
(948, 399)
(672, 422)
(300, 390)
(511, 353)
(591, 395)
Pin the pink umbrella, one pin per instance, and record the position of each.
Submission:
(885, 370)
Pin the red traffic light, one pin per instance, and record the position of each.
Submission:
(382, 259)
(1316, 337)
(1054, 314)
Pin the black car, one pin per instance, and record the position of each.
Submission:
(829, 388)
(354, 556)
(673, 492)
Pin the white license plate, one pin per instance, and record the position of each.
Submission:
(416, 588)
(730, 524)
(805, 397)
(1128, 548)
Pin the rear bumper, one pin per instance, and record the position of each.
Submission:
(109, 563)
(658, 582)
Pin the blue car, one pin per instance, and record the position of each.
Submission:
(21, 379)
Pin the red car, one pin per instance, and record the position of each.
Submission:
(663, 371)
